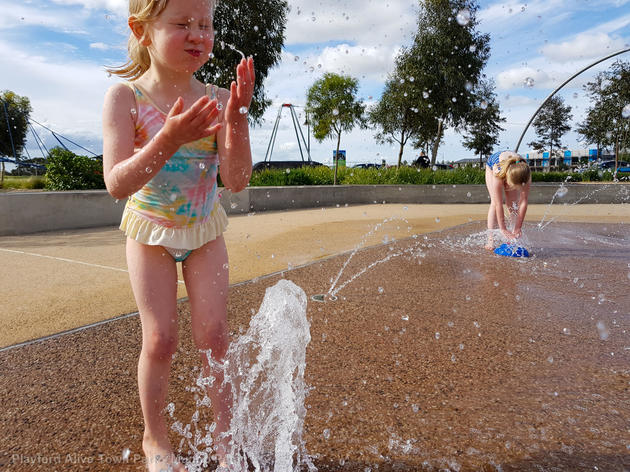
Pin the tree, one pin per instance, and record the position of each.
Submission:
(551, 124)
(606, 124)
(483, 121)
(334, 108)
(400, 113)
(258, 29)
(14, 115)
(446, 60)
(67, 171)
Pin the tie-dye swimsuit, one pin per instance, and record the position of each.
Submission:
(178, 208)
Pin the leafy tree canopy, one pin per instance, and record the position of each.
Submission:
(333, 107)
(607, 122)
(551, 124)
(14, 114)
(256, 29)
(446, 60)
(401, 113)
(483, 120)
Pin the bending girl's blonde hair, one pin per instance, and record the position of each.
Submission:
(515, 170)
(143, 12)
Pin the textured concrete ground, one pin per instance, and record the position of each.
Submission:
(442, 357)
(59, 281)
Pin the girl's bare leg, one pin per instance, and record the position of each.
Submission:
(153, 277)
(511, 201)
(206, 275)
(492, 215)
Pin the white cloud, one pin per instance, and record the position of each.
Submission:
(357, 61)
(369, 22)
(116, 6)
(67, 97)
(524, 77)
(582, 46)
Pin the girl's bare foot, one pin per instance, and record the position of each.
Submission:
(160, 457)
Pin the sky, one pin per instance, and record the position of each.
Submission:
(55, 53)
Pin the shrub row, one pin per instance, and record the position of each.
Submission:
(405, 175)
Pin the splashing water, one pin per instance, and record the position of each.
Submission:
(463, 17)
(265, 370)
(265, 367)
(232, 47)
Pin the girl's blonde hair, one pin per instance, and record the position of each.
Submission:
(143, 12)
(514, 170)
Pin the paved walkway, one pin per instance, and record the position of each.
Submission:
(53, 282)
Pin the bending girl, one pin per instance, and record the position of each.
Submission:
(507, 172)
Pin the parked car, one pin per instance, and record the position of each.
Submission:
(437, 166)
(608, 165)
(284, 165)
(367, 166)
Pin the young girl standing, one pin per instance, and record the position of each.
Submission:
(165, 136)
(507, 172)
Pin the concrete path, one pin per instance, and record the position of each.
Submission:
(59, 281)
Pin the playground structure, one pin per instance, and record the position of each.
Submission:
(302, 143)
(16, 160)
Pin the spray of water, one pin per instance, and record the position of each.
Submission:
(265, 370)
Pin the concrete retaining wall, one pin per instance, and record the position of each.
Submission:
(32, 212)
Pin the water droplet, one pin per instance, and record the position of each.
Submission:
(255, 28)
(148, 170)
(405, 317)
(550, 359)
(562, 191)
(437, 219)
(425, 94)
(219, 106)
(125, 454)
(381, 290)
(242, 110)
(133, 112)
(326, 433)
(415, 408)
(626, 111)
(472, 48)
(335, 112)
(566, 331)
(528, 82)
(463, 17)
(454, 99)
(434, 168)
(603, 331)
(469, 194)
(453, 358)
(483, 105)
(437, 335)
(476, 323)
(468, 86)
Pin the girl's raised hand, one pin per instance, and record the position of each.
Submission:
(241, 91)
(193, 124)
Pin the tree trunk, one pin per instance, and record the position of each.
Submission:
(436, 143)
(337, 158)
(400, 152)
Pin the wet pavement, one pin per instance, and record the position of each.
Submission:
(438, 355)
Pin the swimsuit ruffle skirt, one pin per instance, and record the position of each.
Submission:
(179, 207)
